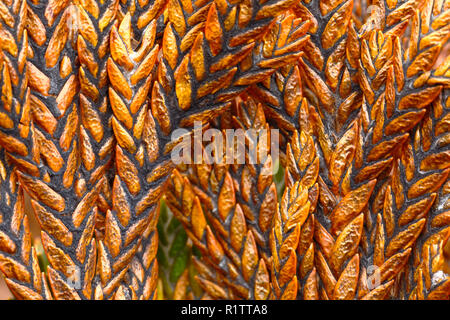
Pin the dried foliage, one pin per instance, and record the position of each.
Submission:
(92, 91)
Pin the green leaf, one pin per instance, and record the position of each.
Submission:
(178, 244)
(196, 252)
(162, 259)
(163, 212)
(179, 265)
(162, 234)
(174, 224)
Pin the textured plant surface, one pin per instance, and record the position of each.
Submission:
(93, 92)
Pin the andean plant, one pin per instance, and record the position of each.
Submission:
(92, 90)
